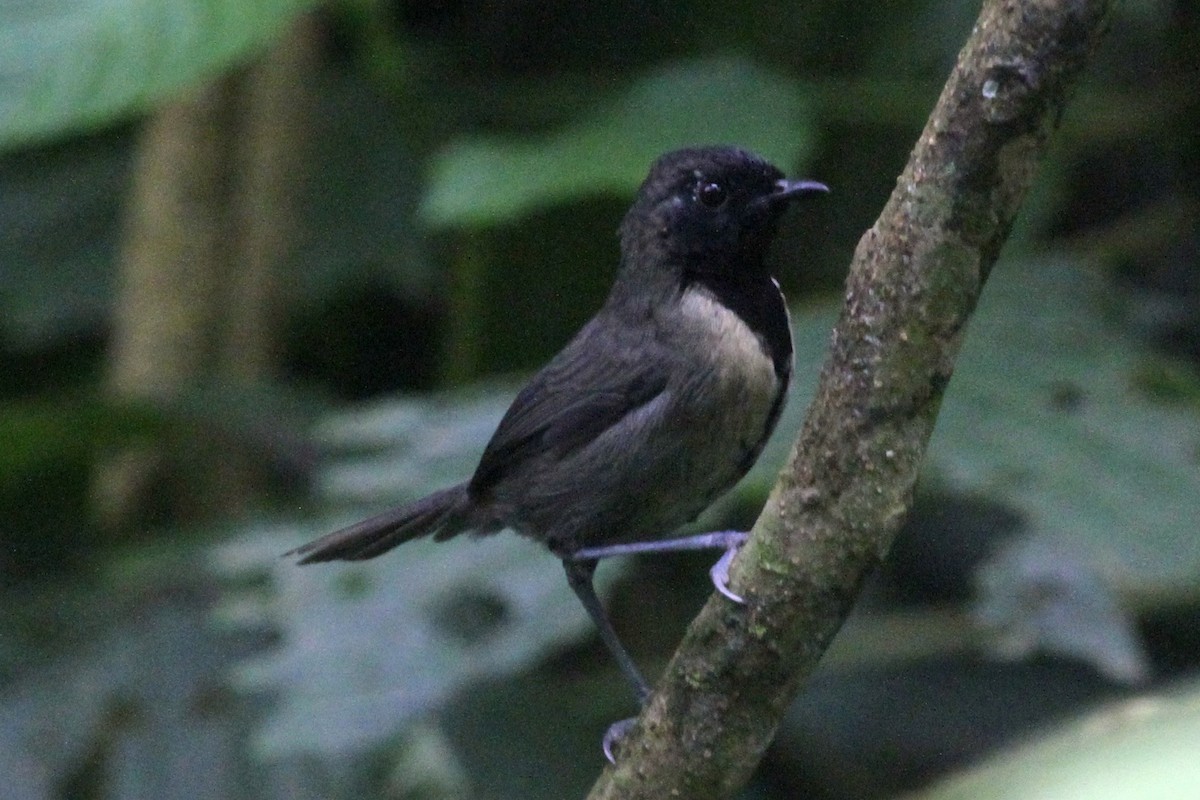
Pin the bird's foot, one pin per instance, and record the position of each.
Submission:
(615, 733)
(720, 570)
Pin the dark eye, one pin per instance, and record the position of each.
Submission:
(711, 194)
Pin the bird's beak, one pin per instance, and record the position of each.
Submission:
(786, 190)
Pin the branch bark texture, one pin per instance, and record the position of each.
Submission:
(913, 284)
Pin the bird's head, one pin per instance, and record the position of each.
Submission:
(708, 211)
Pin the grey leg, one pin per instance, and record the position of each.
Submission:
(715, 540)
(730, 541)
(579, 575)
(580, 566)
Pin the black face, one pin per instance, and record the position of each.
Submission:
(710, 210)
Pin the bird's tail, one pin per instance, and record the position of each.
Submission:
(441, 514)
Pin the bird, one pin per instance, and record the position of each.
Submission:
(657, 406)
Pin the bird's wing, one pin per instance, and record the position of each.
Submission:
(588, 388)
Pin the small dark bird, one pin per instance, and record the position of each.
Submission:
(659, 405)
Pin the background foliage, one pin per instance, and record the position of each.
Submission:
(455, 173)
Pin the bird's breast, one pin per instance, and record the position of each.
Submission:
(726, 398)
(726, 359)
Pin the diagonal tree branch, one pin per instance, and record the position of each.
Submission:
(913, 283)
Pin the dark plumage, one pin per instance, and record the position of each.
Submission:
(656, 407)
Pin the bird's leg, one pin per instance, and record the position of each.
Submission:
(579, 575)
(580, 567)
(731, 541)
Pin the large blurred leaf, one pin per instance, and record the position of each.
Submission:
(63, 430)
(61, 206)
(721, 101)
(393, 451)
(1047, 414)
(112, 692)
(1143, 748)
(369, 648)
(1039, 595)
(66, 66)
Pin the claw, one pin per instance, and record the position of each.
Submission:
(720, 573)
(615, 733)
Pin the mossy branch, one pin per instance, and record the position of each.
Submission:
(913, 284)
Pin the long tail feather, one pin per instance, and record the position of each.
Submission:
(438, 514)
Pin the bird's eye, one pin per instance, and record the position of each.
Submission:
(711, 194)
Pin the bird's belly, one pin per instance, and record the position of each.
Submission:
(673, 457)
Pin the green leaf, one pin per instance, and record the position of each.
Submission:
(369, 648)
(398, 449)
(486, 181)
(69, 66)
(1036, 595)
(1144, 747)
(1047, 414)
(88, 653)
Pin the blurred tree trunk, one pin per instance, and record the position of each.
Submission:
(210, 221)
